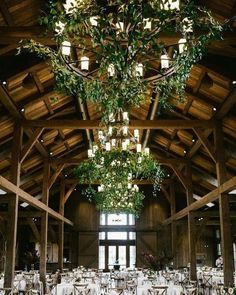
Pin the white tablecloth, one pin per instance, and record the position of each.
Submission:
(68, 289)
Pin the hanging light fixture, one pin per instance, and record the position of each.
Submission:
(116, 52)
(116, 161)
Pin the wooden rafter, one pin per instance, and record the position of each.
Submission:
(25, 197)
(140, 124)
(205, 142)
(210, 197)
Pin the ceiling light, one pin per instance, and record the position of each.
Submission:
(4, 83)
(214, 109)
(117, 68)
(51, 153)
(22, 110)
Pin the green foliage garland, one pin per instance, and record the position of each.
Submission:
(123, 49)
(115, 170)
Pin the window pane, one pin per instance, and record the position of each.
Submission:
(132, 235)
(131, 219)
(116, 219)
(132, 256)
(102, 219)
(122, 256)
(102, 235)
(101, 257)
(117, 235)
(111, 256)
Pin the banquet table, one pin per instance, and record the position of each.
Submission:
(68, 289)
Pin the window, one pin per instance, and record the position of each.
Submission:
(117, 240)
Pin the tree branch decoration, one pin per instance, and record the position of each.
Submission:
(116, 171)
(129, 47)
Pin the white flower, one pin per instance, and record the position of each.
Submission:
(231, 291)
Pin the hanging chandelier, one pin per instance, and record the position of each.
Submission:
(116, 162)
(117, 52)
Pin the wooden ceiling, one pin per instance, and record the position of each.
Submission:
(27, 92)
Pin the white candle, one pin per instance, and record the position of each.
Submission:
(136, 133)
(108, 146)
(129, 176)
(95, 148)
(139, 69)
(182, 45)
(136, 188)
(100, 134)
(124, 146)
(111, 70)
(146, 151)
(139, 147)
(59, 27)
(125, 130)
(187, 25)
(125, 116)
(90, 153)
(148, 24)
(93, 20)
(65, 47)
(170, 4)
(84, 63)
(129, 185)
(164, 61)
(69, 6)
(99, 189)
(110, 130)
(113, 142)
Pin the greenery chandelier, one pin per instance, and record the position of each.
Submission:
(118, 52)
(116, 162)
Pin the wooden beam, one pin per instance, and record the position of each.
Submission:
(210, 197)
(140, 124)
(31, 142)
(138, 182)
(166, 194)
(191, 228)
(225, 225)
(61, 226)
(25, 197)
(13, 208)
(55, 175)
(69, 192)
(173, 225)
(182, 178)
(5, 13)
(44, 225)
(37, 33)
(204, 141)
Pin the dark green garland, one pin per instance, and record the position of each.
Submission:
(124, 90)
(113, 169)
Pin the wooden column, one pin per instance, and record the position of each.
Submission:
(224, 211)
(61, 226)
(13, 208)
(191, 228)
(44, 223)
(173, 224)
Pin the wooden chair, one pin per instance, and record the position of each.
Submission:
(6, 291)
(79, 289)
(131, 287)
(158, 290)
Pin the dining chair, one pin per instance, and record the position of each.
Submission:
(6, 291)
(158, 290)
(81, 290)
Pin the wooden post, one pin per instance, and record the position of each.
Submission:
(13, 208)
(191, 228)
(173, 224)
(61, 226)
(224, 211)
(44, 224)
